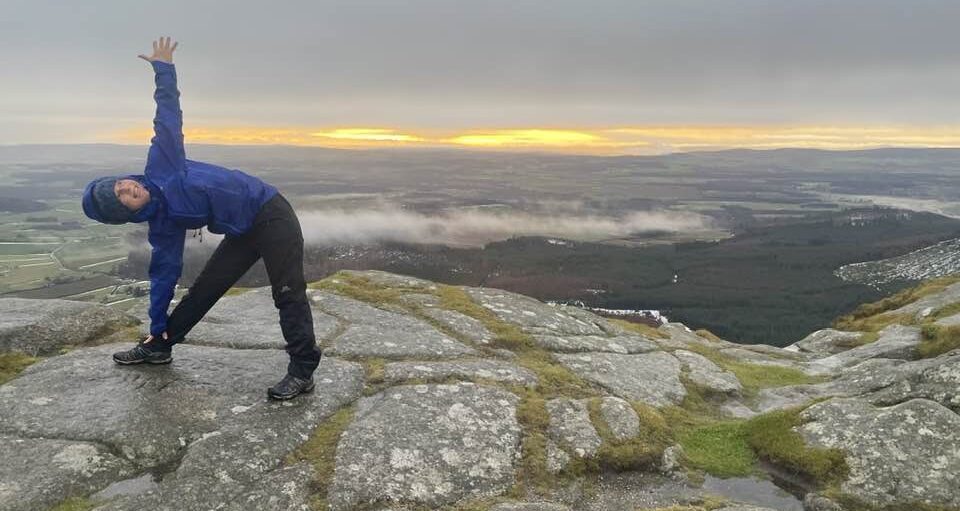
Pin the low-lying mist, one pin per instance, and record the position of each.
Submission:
(476, 228)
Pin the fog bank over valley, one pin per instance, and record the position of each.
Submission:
(476, 227)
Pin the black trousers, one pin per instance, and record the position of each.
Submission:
(275, 236)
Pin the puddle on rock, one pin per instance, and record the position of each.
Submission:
(127, 487)
(750, 490)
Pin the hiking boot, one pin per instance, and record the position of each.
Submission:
(290, 387)
(140, 354)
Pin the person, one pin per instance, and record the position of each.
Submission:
(175, 194)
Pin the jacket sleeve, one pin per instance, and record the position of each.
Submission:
(166, 157)
(166, 263)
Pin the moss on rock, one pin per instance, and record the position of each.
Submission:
(320, 451)
(12, 363)
(937, 340)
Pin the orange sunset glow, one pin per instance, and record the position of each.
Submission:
(604, 141)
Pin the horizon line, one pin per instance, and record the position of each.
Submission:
(503, 150)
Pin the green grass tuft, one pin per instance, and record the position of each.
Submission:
(12, 363)
(772, 438)
(707, 334)
(872, 317)
(720, 449)
(943, 312)
(359, 288)
(533, 416)
(375, 370)
(74, 504)
(640, 328)
(642, 452)
(937, 340)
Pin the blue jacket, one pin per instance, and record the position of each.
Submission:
(184, 194)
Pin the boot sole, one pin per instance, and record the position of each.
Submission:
(276, 397)
(135, 362)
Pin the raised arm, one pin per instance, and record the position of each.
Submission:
(166, 155)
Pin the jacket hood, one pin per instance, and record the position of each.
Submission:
(145, 213)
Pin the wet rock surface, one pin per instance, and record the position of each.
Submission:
(206, 413)
(261, 323)
(427, 444)
(35, 326)
(374, 332)
(37, 473)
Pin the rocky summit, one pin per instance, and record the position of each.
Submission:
(442, 397)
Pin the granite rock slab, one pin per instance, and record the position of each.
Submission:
(429, 445)
(469, 328)
(705, 373)
(374, 332)
(653, 378)
(35, 326)
(571, 428)
(895, 341)
(620, 417)
(532, 315)
(625, 344)
(205, 416)
(497, 370)
(250, 320)
(38, 473)
(901, 454)
(826, 342)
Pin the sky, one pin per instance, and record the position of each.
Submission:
(597, 76)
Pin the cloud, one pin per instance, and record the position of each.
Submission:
(477, 227)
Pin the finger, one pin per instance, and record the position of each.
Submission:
(174, 46)
(166, 44)
(144, 57)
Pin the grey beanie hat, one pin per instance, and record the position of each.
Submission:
(110, 207)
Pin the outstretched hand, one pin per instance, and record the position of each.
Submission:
(162, 51)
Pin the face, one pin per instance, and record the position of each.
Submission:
(131, 193)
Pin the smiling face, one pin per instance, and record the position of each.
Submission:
(131, 194)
